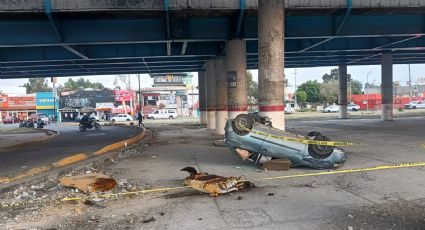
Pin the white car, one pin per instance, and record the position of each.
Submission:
(331, 108)
(415, 105)
(163, 114)
(122, 118)
(353, 107)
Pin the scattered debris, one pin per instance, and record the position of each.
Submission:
(313, 185)
(240, 198)
(243, 154)
(213, 184)
(277, 164)
(89, 182)
(149, 220)
(270, 194)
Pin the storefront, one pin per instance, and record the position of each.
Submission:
(45, 104)
(22, 106)
(124, 101)
(77, 103)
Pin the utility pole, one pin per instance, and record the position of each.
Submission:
(367, 90)
(410, 84)
(140, 93)
(295, 92)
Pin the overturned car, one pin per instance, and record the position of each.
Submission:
(253, 138)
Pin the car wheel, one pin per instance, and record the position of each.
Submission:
(414, 107)
(329, 111)
(128, 119)
(171, 117)
(319, 151)
(353, 109)
(242, 124)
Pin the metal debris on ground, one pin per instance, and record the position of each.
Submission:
(213, 184)
(87, 183)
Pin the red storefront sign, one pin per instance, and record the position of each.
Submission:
(18, 102)
(126, 95)
(21, 102)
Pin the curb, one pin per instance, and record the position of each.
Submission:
(74, 158)
(49, 136)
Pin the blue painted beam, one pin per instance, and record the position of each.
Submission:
(152, 30)
(347, 13)
(240, 18)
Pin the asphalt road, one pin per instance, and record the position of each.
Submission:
(71, 141)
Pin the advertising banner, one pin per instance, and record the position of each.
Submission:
(3, 101)
(45, 100)
(126, 95)
(21, 102)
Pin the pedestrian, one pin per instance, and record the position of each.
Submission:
(140, 118)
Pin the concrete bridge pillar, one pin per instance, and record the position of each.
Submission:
(387, 86)
(271, 61)
(220, 94)
(342, 93)
(210, 85)
(202, 97)
(236, 87)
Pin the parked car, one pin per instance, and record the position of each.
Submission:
(163, 114)
(353, 107)
(331, 109)
(10, 120)
(122, 117)
(415, 105)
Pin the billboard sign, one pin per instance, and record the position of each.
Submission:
(45, 100)
(22, 102)
(126, 95)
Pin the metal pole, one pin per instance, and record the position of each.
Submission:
(296, 101)
(367, 90)
(410, 84)
(140, 93)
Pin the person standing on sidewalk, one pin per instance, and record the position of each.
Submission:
(140, 118)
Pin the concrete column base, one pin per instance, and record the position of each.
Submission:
(343, 112)
(387, 112)
(276, 117)
(220, 121)
(211, 120)
(234, 114)
(203, 117)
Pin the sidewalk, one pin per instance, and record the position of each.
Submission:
(387, 199)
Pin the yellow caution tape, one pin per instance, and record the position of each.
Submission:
(300, 140)
(382, 167)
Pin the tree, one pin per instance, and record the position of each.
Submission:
(301, 96)
(81, 83)
(329, 92)
(36, 85)
(312, 89)
(252, 89)
(333, 76)
(356, 87)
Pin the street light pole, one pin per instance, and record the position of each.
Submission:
(295, 92)
(140, 94)
(367, 90)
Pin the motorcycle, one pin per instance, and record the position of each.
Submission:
(91, 123)
(40, 124)
(26, 124)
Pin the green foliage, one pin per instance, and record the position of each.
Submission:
(81, 83)
(329, 92)
(312, 90)
(356, 87)
(36, 85)
(333, 76)
(301, 96)
(252, 89)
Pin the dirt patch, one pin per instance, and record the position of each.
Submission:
(395, 215)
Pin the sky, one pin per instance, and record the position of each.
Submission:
(400, 73)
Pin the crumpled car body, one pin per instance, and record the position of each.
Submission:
(270, 146)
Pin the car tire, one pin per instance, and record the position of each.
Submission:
(128, 119)
(329, 111)
(242, 124)
(319, 151)
(171, 117)
(414, 107)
